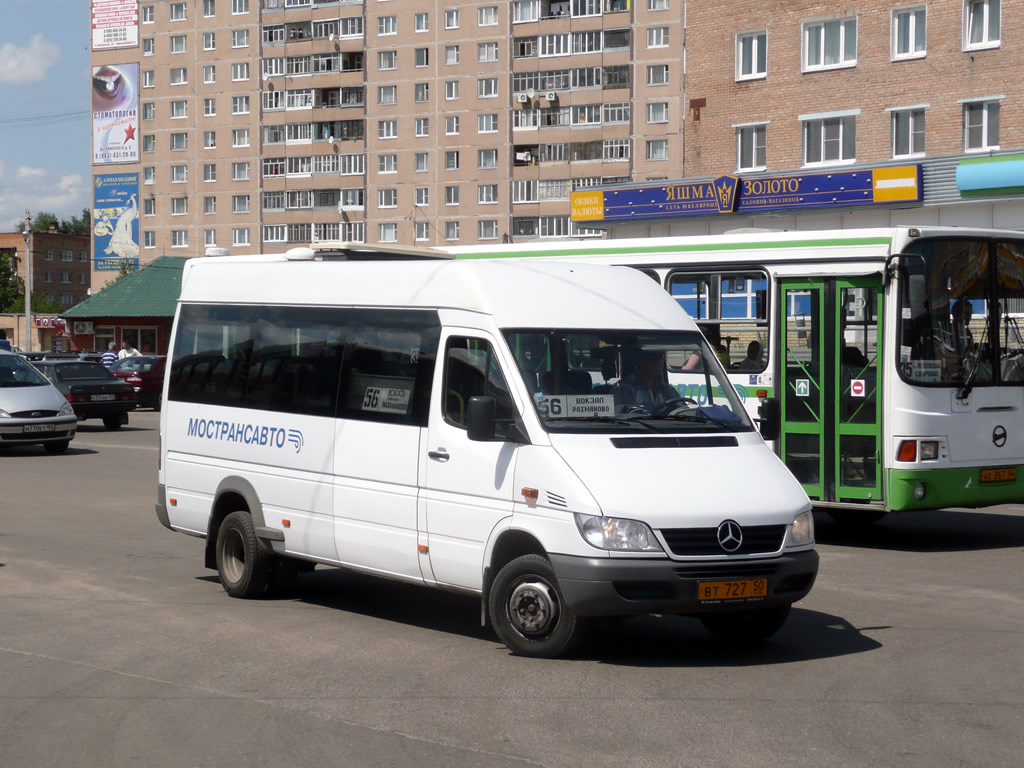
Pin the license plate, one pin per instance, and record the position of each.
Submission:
(741, 589)
(1003, 475)
(38, 428)
(104, 397)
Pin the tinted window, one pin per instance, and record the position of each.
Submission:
(291, 359)
(471, 369)
(74, 371)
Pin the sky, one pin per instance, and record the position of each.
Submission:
(44, 109)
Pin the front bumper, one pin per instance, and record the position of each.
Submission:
(618, 587)
(12, 431)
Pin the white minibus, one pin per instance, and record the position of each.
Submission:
(503, 429)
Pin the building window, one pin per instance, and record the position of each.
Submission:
(981, 23)
(239, 203)
(657, 74)
(149, 206)
(421, 92)
(387, 232)
(751, 148)
(451, 125)
(149, 239)
(147, 46)
(657, 149)
(387, 198)
(486, 52)
(179, 238)
(908, 33)
(487, 123)
(178, 12)
(907, 132)
(487, 16)
(179, 75)
(451, 195)
(149, 175)
(240, 38)
(239, 105)
(148, 78)
(240, 71)
(421, 57)
(209, 237)
(451, 160)
(421, 22)
(487, 229)
(422, 162)
(179, 206)
(657, 5)
(451, 231)
(209, 9)
(179, 174)
(209, 74)
(422, 125)
(657, 37)
(387, 163)
(387, 25)
(209, 172)
(387, 60)
(209, 107)
(615, 149)
(210, 205)
(981, 126)
(387, 129)
(830, 44)
(238, 7)
(451, 55)
(487, 194)
(148, 110)
(422, 196)
(239, 137)
(240, 171)
(751, 55)
(240, 236)
(487, 88)
(179, 142)
(451, 18)
(209, 41)
(830, 140)
(149, 143)
(179, 44)
(179, 109)
(487, 158)
(148, 16)
(387, 95)
(422, 230)
(657, 112)
(451, 90)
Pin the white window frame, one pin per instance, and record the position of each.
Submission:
(910, 17)
(657, 37)
(984, 9)
(652, 156)
(451, 18)
(657, 75)
(751, 132)
(987, 103)
(913, 129)
(758, 47)
(652, 118)
(843, 120)
(814, 36)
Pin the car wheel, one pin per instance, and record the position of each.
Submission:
(112, 422)
(528, 612)
(242, 566)
(58, 447)
(744, 627)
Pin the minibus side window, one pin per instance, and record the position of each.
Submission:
(471, 369)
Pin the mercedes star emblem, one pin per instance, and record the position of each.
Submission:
(730, 535)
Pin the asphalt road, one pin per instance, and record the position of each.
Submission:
(117, 648)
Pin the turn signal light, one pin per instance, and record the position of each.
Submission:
(531, 495)
(286, 523)
(422, 549)
(761, 394)
(907, 451)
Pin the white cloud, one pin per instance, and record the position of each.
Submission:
(25, 172)
(29, 64)
(64, 196)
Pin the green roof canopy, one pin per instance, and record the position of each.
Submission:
(151, 291)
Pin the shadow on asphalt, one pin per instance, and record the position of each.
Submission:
(948, 530)
(646, 641)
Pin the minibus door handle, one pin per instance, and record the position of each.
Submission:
(439, 455)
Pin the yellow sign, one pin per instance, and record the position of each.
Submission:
(895, 184)
(587, 206)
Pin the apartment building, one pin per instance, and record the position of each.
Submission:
(263, 124)
(831, 116)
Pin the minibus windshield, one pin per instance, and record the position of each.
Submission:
(607, 380)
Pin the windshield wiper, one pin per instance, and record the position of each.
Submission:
(606, 420)
(700, 415)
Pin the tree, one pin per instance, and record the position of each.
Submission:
(43, 220)
(40, 305)
(77, 225)
(11, 288)
(125, 270)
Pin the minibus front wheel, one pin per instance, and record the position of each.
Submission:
(528, 612)
(243, 567)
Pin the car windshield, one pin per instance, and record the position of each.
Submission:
(74, 371)
(134, 364)
(645, 381)
(16, 372)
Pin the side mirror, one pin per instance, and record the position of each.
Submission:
(480, 418)
(771, 419)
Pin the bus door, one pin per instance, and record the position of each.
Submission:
(831, 382)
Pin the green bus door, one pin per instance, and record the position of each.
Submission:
(831, 386)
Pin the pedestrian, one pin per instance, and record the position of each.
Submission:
(127, 350)
(110, 355)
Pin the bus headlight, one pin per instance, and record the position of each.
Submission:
(929, 450)
(617, 534)
(802, 532)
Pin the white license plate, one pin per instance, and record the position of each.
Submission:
(38, 428)
(104, 397)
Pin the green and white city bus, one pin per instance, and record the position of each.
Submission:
(895, 355)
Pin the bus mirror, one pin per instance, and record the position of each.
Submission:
(771, 418)
(480, 418)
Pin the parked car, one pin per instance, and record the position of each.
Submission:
(93, 391)
(146, 374)
(32, 410)
(91, 357)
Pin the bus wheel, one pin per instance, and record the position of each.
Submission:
(855, 517)
(746, 626)
(527, 610)
(241, 564)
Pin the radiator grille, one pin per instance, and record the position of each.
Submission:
(757, 540)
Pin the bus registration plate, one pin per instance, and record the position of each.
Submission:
(741, 589)
(1001, 475)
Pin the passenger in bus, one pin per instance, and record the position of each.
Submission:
(714, 336)
(752, 362)
(645, 386)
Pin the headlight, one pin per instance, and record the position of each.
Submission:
(803, 530)
(66, 409)
(4, 414)
(617, 533)
(929, 450)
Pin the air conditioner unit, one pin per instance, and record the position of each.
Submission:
(551, 96)
(522, 98)
(82, 327)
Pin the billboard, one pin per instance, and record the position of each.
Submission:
(115, 114)
(115, 221)
(115, 24)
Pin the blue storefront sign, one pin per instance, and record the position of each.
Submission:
(115, 222)
(730, 194)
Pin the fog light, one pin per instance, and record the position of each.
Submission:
(929, 450)
(919, 491)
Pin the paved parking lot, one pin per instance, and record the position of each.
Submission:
(117, 648)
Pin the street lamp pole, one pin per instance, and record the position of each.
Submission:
(27, 235)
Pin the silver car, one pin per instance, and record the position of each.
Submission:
(32, 410)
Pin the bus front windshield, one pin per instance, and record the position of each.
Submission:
(961, 306)
(644, 381)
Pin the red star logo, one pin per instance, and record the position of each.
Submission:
(129, 134)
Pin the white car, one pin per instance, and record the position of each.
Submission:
(32, 410)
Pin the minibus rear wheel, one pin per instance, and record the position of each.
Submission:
(242, 566)
(528, 612)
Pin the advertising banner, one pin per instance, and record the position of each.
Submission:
(115, 114)
(115, 222)
(115, 24)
